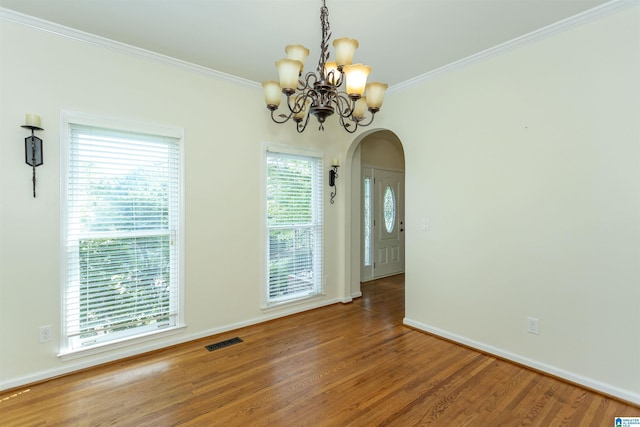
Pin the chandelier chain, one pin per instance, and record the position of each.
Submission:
(326, 36)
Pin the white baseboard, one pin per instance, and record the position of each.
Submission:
(77, 364)
(605, 388)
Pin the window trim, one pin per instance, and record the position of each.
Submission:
(267, 305)
(67, 119)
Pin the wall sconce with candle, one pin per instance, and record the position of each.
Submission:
(333, 175)
(33, 146)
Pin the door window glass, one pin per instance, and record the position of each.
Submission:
(389, 209)
(367, 221)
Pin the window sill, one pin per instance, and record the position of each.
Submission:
(119, 344)
(292, 303)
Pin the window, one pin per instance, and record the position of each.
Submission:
(294, 224)
(366, 220)
(122, 224)
(389, 209)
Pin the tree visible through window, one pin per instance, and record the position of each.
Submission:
(121, 234)
(294, 221)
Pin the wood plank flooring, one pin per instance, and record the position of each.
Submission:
(342, 365)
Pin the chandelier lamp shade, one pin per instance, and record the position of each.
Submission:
(321, 93)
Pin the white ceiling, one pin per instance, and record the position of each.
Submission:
(399, 39)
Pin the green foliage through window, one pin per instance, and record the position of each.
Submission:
(294, 220)
(117, 294)
(122, 222)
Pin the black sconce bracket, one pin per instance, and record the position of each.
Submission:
(33, 152)
(333, 175)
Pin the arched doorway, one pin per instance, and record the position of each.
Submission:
(374, 209)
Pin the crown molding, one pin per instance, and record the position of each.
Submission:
(581, 18)
(544, 32)
(82, 36)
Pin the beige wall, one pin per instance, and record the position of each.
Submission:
(382, 150)
(527, 165)
(46, 74)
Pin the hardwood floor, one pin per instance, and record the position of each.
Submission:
(342, 365)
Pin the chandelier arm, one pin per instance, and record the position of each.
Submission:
(339, 79)
(310, 79)
(347, 126)
(299, 100)
(303, 92)
(311, 97)
(360, 122)
(283, 116)
(373, 113)
(293, 108)
(334, 77)
(300, 126)
(296, 107)
(344, 104)
(344, 123)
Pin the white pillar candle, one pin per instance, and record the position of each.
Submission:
(335, 162)
(33, 120)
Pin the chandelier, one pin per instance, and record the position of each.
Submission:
(319, 93)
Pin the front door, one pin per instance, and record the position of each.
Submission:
(388, 224)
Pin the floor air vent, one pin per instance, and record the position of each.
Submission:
(223, 344)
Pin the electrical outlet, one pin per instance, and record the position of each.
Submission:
(533, 325)
(45, 333)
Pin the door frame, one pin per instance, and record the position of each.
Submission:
(350, 288)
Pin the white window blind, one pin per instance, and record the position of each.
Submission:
(122, 217)
(294, 223)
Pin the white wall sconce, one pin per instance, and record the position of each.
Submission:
(333, 175)
(33, 146)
